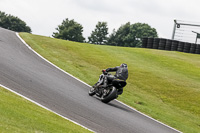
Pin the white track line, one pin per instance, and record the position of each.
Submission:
(43, 107)
(90, 86)
(37, 102)
(148, 116)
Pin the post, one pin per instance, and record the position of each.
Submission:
(196, 40)
(197, 36)
(173, 33)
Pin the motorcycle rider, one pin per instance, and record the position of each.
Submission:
(121, 73)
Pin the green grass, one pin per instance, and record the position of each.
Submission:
(162, 84)
(20, 115)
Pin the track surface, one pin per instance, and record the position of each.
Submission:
(26, 73)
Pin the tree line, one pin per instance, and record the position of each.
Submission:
(127, 35)
(13, 23)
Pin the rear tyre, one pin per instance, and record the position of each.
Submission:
(91, 91)
(109, 95)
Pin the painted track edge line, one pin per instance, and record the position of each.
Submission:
(38, 104)
(60, 70)
(49, 61)
(148, 116)
(90, 86)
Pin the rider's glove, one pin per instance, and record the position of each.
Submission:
(103, 70)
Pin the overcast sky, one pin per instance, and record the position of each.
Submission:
(43, 16)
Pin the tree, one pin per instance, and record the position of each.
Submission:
(121, 37)
(130, 35)
(99, 35)
(140, 30)
(112, 39)
(69, 30)
(13, 23)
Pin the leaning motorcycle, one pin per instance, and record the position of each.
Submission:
(110, 92)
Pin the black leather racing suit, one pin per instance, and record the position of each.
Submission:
(121, 73)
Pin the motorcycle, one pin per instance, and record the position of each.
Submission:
(110, 92)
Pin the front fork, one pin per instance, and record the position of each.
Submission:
(100, 81)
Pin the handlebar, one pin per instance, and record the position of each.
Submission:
(105, 72)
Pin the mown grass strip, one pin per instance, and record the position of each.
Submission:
(20, 115)
(162, 84)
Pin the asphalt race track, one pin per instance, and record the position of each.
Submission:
(26, 73)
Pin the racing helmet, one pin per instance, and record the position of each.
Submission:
(123, 65)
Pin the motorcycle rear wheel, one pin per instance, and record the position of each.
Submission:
(108, 96)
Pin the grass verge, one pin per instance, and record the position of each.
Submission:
(162, 84)
(20, 115)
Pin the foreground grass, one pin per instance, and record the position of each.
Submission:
(162, 84)
(20, 115)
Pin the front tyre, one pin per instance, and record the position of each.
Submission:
(109, 95)
(91, 91)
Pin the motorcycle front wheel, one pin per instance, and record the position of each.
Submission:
(91, 91)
